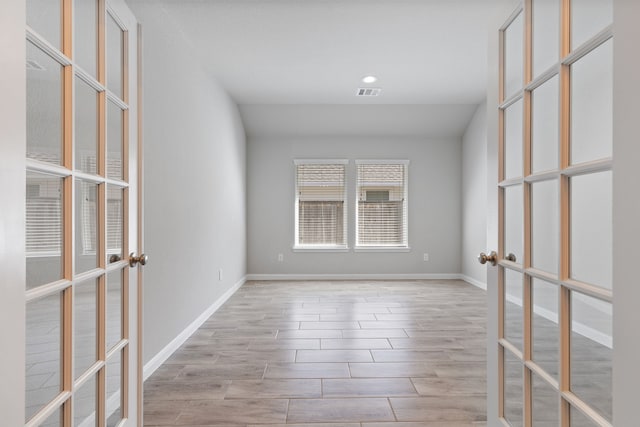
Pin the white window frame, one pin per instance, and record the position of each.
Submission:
(404, 247)
(320, 247)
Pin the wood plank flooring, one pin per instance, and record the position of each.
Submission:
(331, 354)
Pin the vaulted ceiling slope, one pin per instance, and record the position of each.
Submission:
(315, 52)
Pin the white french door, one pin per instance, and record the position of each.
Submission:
(554, 293)
(81, 215)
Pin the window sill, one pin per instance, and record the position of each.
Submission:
(382, 249)
(320, 249)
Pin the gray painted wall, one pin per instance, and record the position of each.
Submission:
(434, 205)
(194, 185)
(474, 196)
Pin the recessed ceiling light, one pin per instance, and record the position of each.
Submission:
(369, 79)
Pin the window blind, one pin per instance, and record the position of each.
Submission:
(382, 205)
(320, 205)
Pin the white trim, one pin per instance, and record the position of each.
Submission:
(474, 282)
(382, 249)
(156, 361)
(350, 276)
(382, 162)
(320, 248)
(320, 161)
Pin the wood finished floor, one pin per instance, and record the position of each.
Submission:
(331, 354)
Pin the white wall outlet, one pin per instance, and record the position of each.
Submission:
(220, 274)
(280, 257)
(425, 257)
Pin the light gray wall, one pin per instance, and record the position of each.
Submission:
(474, 196)
(195, 185)
(434, 205)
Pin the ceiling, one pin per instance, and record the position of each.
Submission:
(315, 52)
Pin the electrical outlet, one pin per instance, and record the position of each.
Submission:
(426, 257)
(220, 274)
(280, 257)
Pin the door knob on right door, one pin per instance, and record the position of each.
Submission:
(492, 258)
(142, 259)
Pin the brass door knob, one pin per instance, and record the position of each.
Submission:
(142, 259)
(511, 257)
(492, 258)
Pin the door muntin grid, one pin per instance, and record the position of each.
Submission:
(77, 217)
(561, 292)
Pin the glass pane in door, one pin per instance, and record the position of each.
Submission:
(545, 218)
(43, 229)
(84, 404)
(513, 314)
(114, 387)
(545, 330)
(115, 43)
(114, 141)
(546, 33)
(513, 221)
(588, 18)
(578, 419)
(544, 126)
(54, 420)
(592, 105)
(513, 141)
(513, 57)
(85, 325)
(513, 389)
(86, 127)
(115, 222)
(592, 352)
(592, 228)
(43, 352)
(114, 308)
(86, 239)
(45, 18)
(546, 403)
(86, 34)
(44, 106)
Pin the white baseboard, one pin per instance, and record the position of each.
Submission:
(266, 277)
(157, 360)
(473, 282)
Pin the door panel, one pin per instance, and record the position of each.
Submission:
(82, 214)
(555, 215)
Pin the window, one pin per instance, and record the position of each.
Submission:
(381, 219)
(321, 211)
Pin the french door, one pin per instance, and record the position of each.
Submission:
(554, 273)
(81, 223)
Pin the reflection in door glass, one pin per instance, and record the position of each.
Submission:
(546, 33)
(86, 128)
(592, 352)
(114, 387)
(592, 105)
(44, 106)
(546, 408)
(513, 314)
(85, 326)
(592, 228)
(588, 18)
(513, 389)
(544, 126)
(43, 229)
(115, 40)
(513, 221)
(545, 330)
(86, 239)
(84, 404)
(43, 352)
(513, 141)
(513, 57)
(545, 218)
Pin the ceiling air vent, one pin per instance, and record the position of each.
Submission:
(34, 65)
(368, 91)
